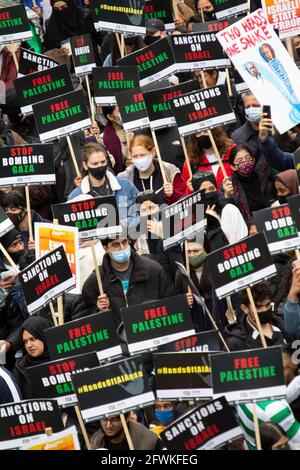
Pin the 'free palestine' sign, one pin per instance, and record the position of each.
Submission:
(133, 110)
(14, 25)
(160, 10)
(108, 81)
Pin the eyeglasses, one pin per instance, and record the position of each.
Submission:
(113, 420)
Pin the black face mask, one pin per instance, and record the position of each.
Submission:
(211, 198)
(282, 199)
(266, 317)
(98, 173)
(151, 40)
(16, 256)
(204, 142)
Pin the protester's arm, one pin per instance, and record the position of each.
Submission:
(291, 307)
(293, 390)
(90, 291)
(275, 157)
(178, 190)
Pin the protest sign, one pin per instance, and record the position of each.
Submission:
(45, 279)
(197, 51)
(108, 81)
(284, 16)
(49, 236)
(297, 165)
(158, 103)
(95, 333)
(183, 219)
(28, 418)
(31, 62)
(202, 342)
(27, 165)
(82, 54)
(5, 223)
(151, 324)
(240, 265)
(213, 26)
(227, 8)
(41, 86)
(132, 108)
(124, 16)
(14, 25)
(154, 62)
(182, 375)
(64, 440)
(207, 427)
(94, 218)
(265, 65)
(202, 110)
(294, 205)
(54, 379)
(160, 10)
(61, 116)
(279, 227)
(112, 389)
(244, 376)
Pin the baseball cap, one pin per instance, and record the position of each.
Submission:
(155, 25)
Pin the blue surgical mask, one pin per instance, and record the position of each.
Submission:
(121, 257)
(165, 416)
(253, 114)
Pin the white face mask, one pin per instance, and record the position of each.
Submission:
(143, 163)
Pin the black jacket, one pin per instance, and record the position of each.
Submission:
(238, 335)
(11, 320)
(23, 379)
(148, 281)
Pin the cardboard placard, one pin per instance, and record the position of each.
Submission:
(54, 379)
(94, 218)
(82, 54)
(122, 16)
(95, 333)
(45, 279)
(183, 375)
(61, 116)
(49, 236)
(31, 62)
(158, 103)
(113, 389)
(284, 16)
(279, 227)
(198, 51)
(160, 10)
(41, 86)
(183, 219)
(27, 165)
(206, 427)
(28, 418)
(294, 205)
(202, 110)
(108, 81)
(227, 8)
(240, 265)
(208, 341)
(244, 376)
(213, 26)
(64, 440)
(151, 324)
(265, 65)
(154, 62)
(5, 223)
(133, 110)
(14, 25)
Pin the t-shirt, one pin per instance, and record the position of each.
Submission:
(124, 277)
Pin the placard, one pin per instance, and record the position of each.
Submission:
(240, 265)
(208, 341)
(45, 279)
(133, 110)
(213, 26)
(31, 62)
(14, 25)
(227, 8)
(94, 218)
(113, 389)
(160, 10)
(151, 324)
(108, 81)
(5, 223)
(284, 16)
(94, 333)
(244, 376)
(64, 440)
(124, 16)
(54, 379)
(82, 54)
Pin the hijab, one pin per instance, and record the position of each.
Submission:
(36, 326)
(290, 180)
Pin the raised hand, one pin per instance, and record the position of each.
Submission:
(135, 387)
(136, 20)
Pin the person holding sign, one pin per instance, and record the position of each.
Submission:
(145, 172)
(114, 137)
(244, 334)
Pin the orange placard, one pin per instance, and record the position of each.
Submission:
(284, 16)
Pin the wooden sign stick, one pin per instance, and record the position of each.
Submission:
(202, 13)
(97, 270)
(6, 254)
(258, 324)
(34, 4)
(203, 79)
(119, 44)
(186, 155)
(71, 148)
(228, 82)
(123, 45)
(214, 145)
(126, 430)
(297, 254)
(83, 428)
(31, 239)
(256, 427)
(15, 60)
(159, 156)
(90, 97)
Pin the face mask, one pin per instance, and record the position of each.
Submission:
(211, 198)
(91, 139)
(16, 256)
(121, 257)
(98, 173)
(143, 164)
(204, 142)
(282, 199)
(164, 416)
(13, 217)
(265, 317)
(245, 168)
(253, 114)
(151, 40)
(119, 122)
(196, 261)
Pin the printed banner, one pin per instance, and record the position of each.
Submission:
(208, 341)
(226, 8)
(160, 10)
(133, 110)
(124, 16)
(82, 54)
(108, 81)
(64, 440)
(5, 223)
(213, 26)
(14, 25)
(31, 62)
(294, 205)
(284, 16)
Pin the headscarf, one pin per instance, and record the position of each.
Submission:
(290, 180)
(36, 326)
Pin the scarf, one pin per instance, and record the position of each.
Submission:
(36, 326)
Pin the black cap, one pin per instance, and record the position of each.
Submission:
(155, 25)
(10, 237)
